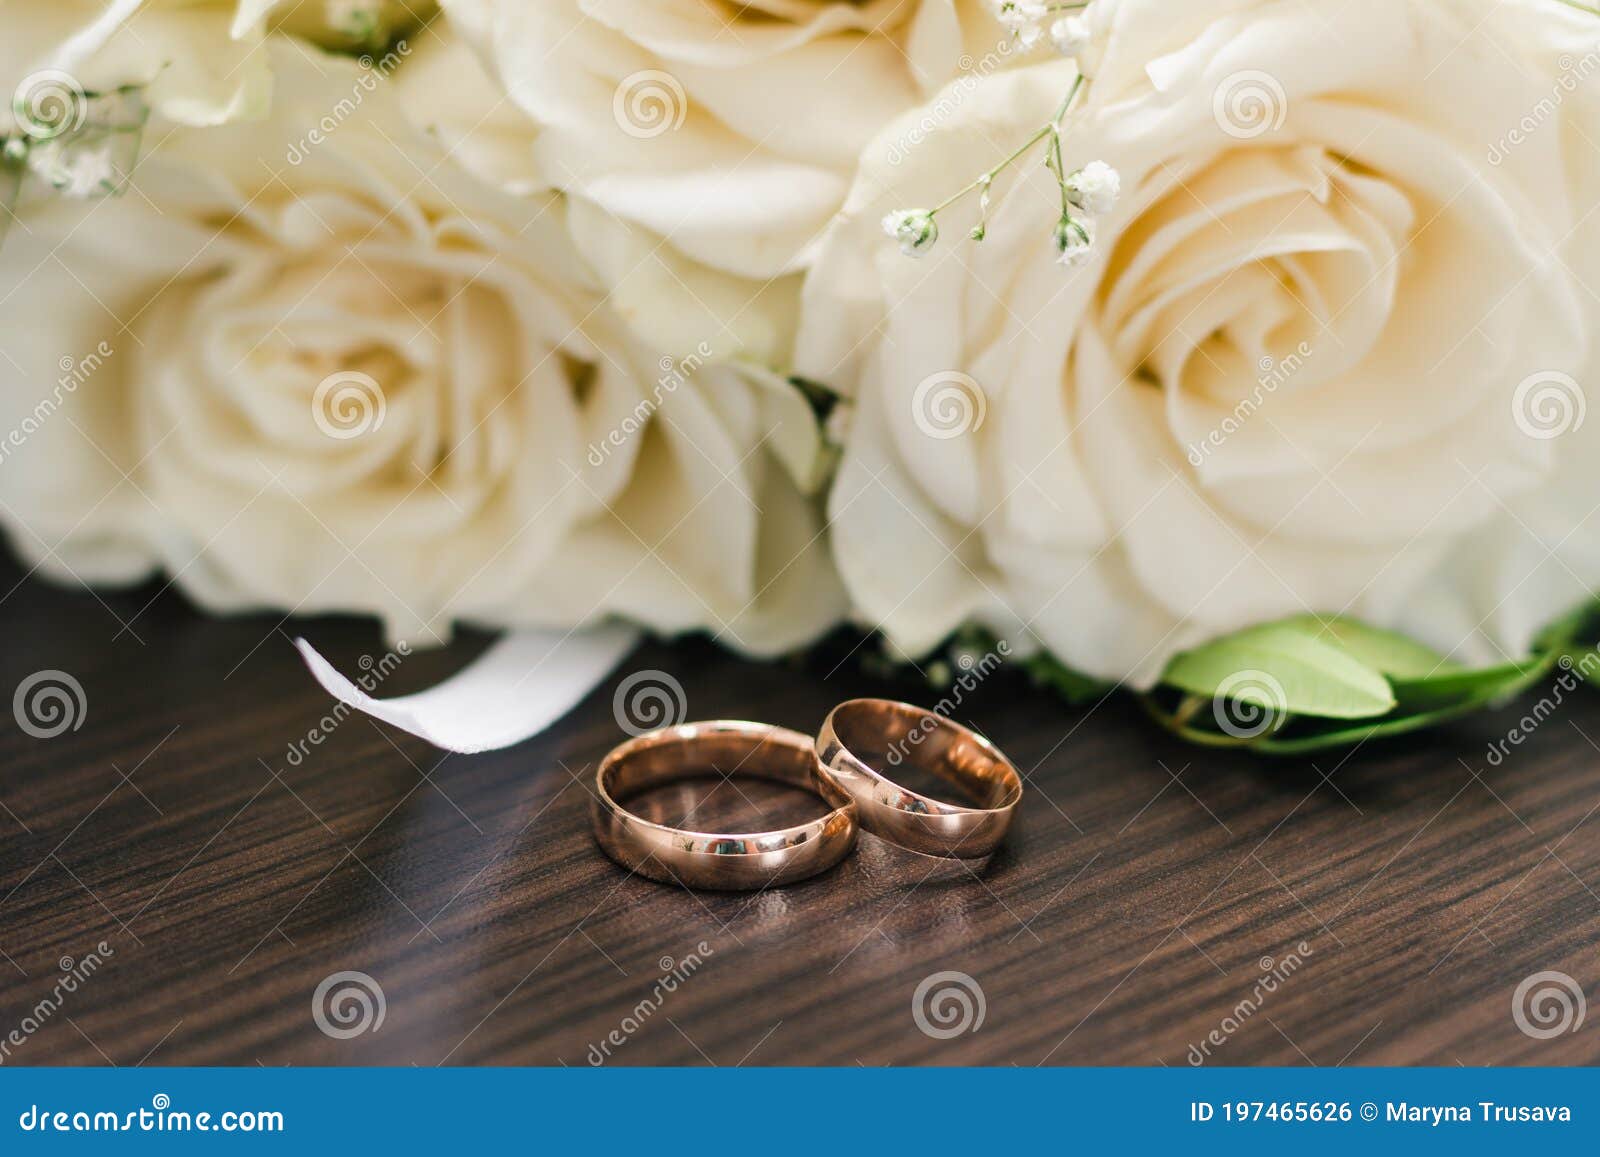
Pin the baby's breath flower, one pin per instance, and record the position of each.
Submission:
(74, 169)
(1074, 239)
(91, 172)
(1090, 190)
(913, 228)
(1094, 188)
(359, 20)
(1071, 34)
(1016, 13)
(1021, 18)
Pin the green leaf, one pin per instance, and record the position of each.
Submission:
(1563, 631)
(1486, 683)
(1311, 697)
(1389, 652)
(1582, 661)
(1494, 684)
(1347, 735)
(1282, 668)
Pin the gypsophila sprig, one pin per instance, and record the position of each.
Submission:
(1071, 35)
(1085, 192)
(361, 22)
(1094, 188)
(86, 151)
(913, 228)
(83, 172)
(1024, 20)
(1021, 19)
(1074, 238)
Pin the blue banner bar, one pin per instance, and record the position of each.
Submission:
(800, 1111)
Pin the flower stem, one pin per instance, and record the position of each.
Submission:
(1066, 101)
(984, 178)
(1051, 128)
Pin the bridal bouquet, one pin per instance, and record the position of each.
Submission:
(1234, 351)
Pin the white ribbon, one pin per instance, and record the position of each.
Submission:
(521, 685)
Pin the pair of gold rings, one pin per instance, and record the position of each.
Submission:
(844, 765)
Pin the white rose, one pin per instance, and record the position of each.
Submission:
(707, 146)
(447, 93)
(363, 380)
(1291, 377)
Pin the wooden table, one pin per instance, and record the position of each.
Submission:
(1396, 896)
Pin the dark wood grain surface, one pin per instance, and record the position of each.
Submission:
(1134, 907)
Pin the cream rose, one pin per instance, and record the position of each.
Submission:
(707, 145)
(1329, 352)
(366, 381)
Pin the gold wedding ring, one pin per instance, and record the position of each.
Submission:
(743, 860)
(862, 739)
